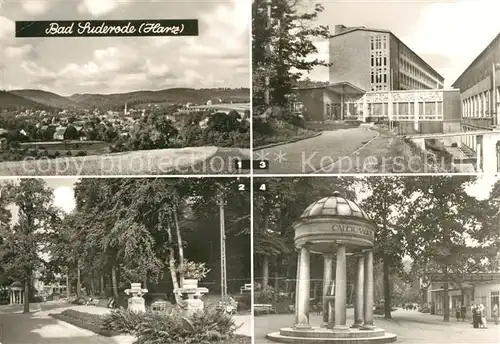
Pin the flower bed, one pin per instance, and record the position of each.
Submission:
(209, 326)
(91, 322)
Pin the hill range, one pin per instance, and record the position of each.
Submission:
(43, 100)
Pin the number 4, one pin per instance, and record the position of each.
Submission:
(262, 187)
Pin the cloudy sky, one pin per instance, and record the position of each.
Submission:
(447, 34)
(218, 57)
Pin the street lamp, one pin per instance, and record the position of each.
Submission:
(221, 202)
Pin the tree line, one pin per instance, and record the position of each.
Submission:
(121, 231)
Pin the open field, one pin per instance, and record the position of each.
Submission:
(196, 160)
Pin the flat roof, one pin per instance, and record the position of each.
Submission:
(495, 40)
(336, 87)
(362, 28)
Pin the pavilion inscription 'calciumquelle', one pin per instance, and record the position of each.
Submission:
(335, 228)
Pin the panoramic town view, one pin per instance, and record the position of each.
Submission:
(124, 105)
(372, 93)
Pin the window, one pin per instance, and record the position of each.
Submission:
(430, 109)
(385, 61)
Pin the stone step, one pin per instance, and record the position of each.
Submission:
(321, 332)
(277, 337)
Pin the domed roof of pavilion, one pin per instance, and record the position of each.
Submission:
(16, 284)
(335, 205)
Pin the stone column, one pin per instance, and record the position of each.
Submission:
(11, 297)
(340, 289)
(302, 306)
(327, 280)
(297, 286)
(368, 292)
(359, 298)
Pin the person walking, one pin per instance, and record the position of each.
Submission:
(495, 313)
(457, 312)
(474, 311)
(463, 310)
(482, 310)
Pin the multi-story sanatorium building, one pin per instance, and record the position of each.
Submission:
(377, 60)
(479, 88)
(375, 76)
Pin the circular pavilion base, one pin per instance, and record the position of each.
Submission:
(321, 335)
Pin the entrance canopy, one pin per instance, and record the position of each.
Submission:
(345, 88)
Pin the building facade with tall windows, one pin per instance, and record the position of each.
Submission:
(479, 87)
(377, 60)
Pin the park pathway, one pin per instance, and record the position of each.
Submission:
(411, 327)
(317, 154)
(39, 327)
(18, 328)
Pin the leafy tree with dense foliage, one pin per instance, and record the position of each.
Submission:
(386, 205)
(442, 218)
(24, 240)
(282, 47)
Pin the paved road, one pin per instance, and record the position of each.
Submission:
(411, 327)
(314, 155)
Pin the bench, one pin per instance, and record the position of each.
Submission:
(159, 306)
(259, 309)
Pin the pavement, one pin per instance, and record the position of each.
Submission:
(39, 327)
(316, 154)
(191, 160)
(411, 327)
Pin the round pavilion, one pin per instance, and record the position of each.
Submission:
(334, 227)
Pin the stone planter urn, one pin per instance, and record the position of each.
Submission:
(190, 284)
(191, 297)
(136, 302)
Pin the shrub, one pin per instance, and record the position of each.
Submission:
(68, 153)
(91, 322)
(244, 301)
(209, 325)
(194, 270)
(37, 299)
(81, 153)
(124, 321)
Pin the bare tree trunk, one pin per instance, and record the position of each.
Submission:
(102, 284)
(92, 284)
(277, 279)
(78, 281)
(26, 295)
(446, 304)
(114, 282)
(265, 272)
(171, 263)
(181, 249)
(68, 287)
(387, 289)
(265, 261)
